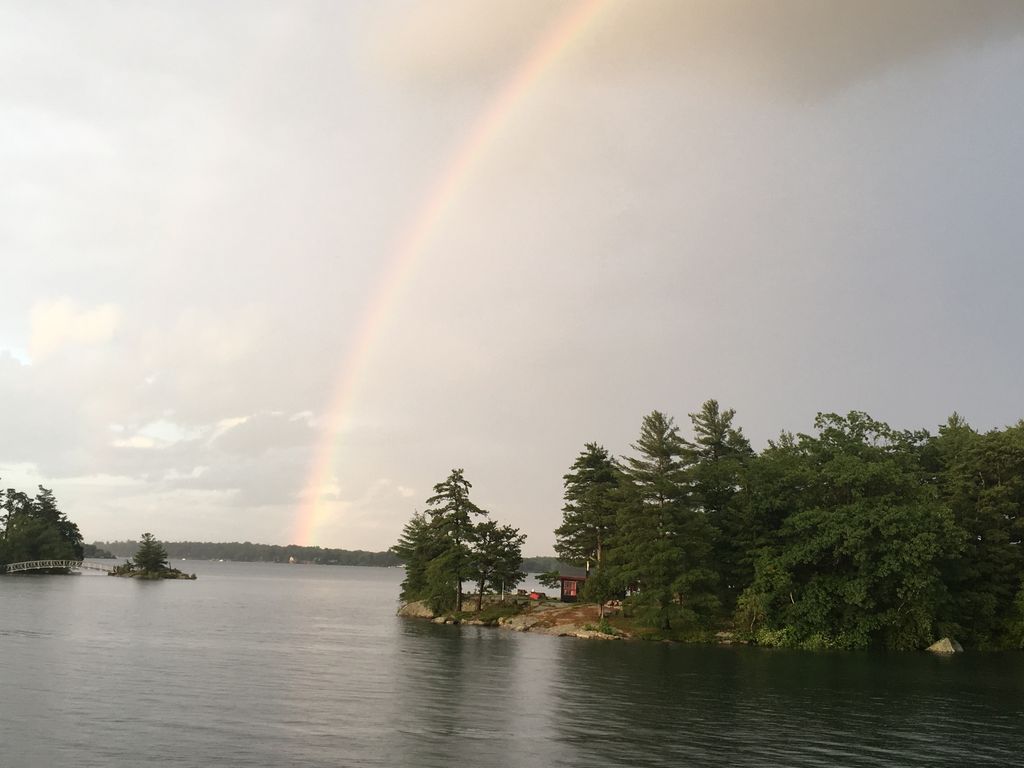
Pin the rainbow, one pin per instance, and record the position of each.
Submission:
(558, 39)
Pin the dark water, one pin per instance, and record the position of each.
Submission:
(269, 665)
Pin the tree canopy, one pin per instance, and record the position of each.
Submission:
(35, 528)
(443, 547)
(858, 535)
(151, 556)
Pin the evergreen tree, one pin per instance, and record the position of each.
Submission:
(44, 507)
(417, 546)
(663, 544)
(29, 538)
(496, 558)
(35, 529)
(151, 556)
(451, 513)
(589, 514)
(718, 458)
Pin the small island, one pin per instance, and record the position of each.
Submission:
(150, 563)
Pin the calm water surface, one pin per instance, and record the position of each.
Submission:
(269, 665)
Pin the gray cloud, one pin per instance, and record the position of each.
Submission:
(804, 47)
(789, 207)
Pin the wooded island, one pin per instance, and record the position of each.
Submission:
(856, 536)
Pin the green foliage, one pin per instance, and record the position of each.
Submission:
(600, 587)
(858, 561)
(1015, 633)
(718, 458)
(603, 626)
(981, 478)
(495, 558)
(443, 547)
(248, 552)
(549, 579)
(123, 569)
(151, 558)
(442, 590)
(663, 544)
(36, 529)
(92, 550)
(858, 535)
(416, 547)
(491, 613)
(451, 520)
(589, 514)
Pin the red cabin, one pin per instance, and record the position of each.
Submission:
(571, 586)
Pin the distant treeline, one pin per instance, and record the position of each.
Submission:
(247, 552)
(91, 550)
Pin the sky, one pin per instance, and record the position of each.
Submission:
(272, 269)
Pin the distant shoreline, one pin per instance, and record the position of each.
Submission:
(248, 552)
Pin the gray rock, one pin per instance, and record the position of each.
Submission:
(417, 609)
(945, 645)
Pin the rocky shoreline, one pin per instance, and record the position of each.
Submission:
(551, 617)
(545, 617)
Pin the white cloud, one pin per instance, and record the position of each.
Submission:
(135, 441)
(60, 323)
(19, 355)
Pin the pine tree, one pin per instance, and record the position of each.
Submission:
(35, 529)
(496, 558)
(451, 513)
(589, 514)
(417, 546)
(44, 507)
(663, 544)
(151, 556)
(718, 459)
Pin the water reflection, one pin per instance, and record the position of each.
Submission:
(264, 665)
(749, 707)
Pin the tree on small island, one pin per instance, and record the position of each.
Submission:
(150, 562)
(151, 556)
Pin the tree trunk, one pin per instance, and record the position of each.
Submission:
(480, 597)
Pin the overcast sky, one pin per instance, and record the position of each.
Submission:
(791, 207)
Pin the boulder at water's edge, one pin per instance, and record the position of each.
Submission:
(945, 645)
(417, 609)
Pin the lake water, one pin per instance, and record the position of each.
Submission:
(270, 665)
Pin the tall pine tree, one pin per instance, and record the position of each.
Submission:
(718, 459)
(451, 513)
(663, 544)
(591, 506)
